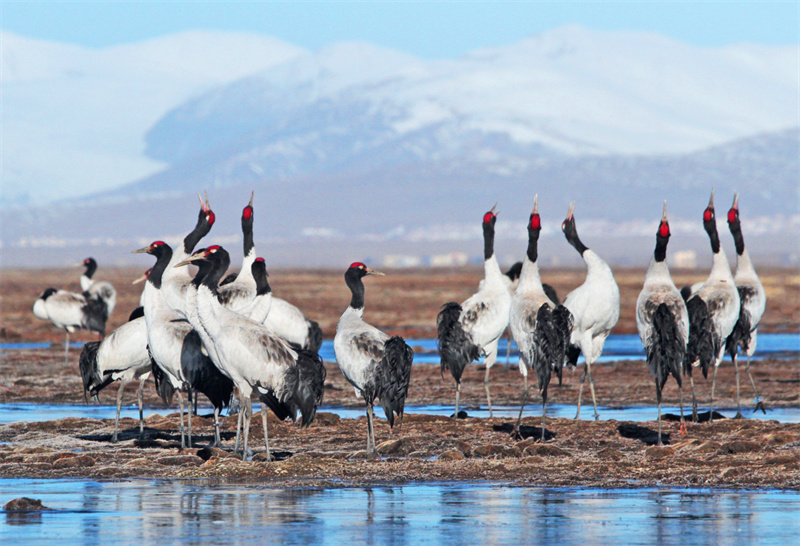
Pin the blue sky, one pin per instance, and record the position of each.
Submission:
(427, 29)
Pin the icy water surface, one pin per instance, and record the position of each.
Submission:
(10, 413)
(166, 512)
(617, 347)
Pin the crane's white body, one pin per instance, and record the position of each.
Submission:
(755, 300)
(484, 315)
(287, 321)
(659, 288)
(63, 309)
(722, 298)
(358, 347)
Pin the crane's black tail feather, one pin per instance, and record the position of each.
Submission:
(303, 390)
(87, 363)
(95, 314)
(202, 375)
(704, 344)
(740, 335)
(456, 348)
(394, 375)
(666, 350)
(314, 341)
(551, 339)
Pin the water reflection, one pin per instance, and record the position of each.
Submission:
(214, 512)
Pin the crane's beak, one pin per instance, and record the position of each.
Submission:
(373, 272)
(711, 200)
(191, 259)
(735, 205)
(206, 206)
(664, 215)
(535, 204)
(571, 211)
(142, 250)
(252, 194)
(140, 279)
(494, 210)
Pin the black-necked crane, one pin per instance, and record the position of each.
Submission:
(121, 356)
(662, 320)
(753, 302)
(176, 279)
(176, 347)
(286, 379)
(473, 328)
(377, 365)
(594, 306)
(259, 306)
(241, 291)
(93, 288)
(70, 312)
(713, 312)
(540, 327)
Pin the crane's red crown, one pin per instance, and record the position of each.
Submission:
(733, 214)
(536, 222)
(357, 265)
(488, 217)
(260, 260)
(663, 229)
(247, 213)
(708, 214)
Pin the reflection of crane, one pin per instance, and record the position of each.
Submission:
(286, 379)
(594, 306)
(121, 356)
(540, 327)
(473, 328)
(713, 312)
(753, 301)
(662, 320)
(375, 364)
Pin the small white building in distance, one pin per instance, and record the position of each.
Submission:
(452, 259)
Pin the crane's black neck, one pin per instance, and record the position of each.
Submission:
(91, 267)
(163, 254)
(203, 267)
(660, 253)
(533, 242)
(488, 238)
(247, 231)
(571, 233)
(259, 270)
(200, 230)
(353, 278)
(220, 261)
(738, 239)
(711, 228)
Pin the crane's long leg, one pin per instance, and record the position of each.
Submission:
(491, 358)
(371, 433)
(713, 386)
(66, 349)
(180, 403)
(238, 432)
(694, 400)
(759, 402)
(486, 387)
(544, 410)
(658, 396)
(189, 417)
(580, 392)
(522, 404)
(738, 403)
(458, 395)
(591, 388)
(115, 436)
(247, 409)
(217, 437)
(266, 433)
(508, 349)
(140, 399)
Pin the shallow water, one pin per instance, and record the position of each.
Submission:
(10, 413)
(617, 347)
(148, 511)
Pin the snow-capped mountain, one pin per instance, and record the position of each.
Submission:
(356, 148)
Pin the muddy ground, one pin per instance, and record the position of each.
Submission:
(727, 453)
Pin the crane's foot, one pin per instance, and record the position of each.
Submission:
(738, 415)
(516, 434)
(760, 406)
